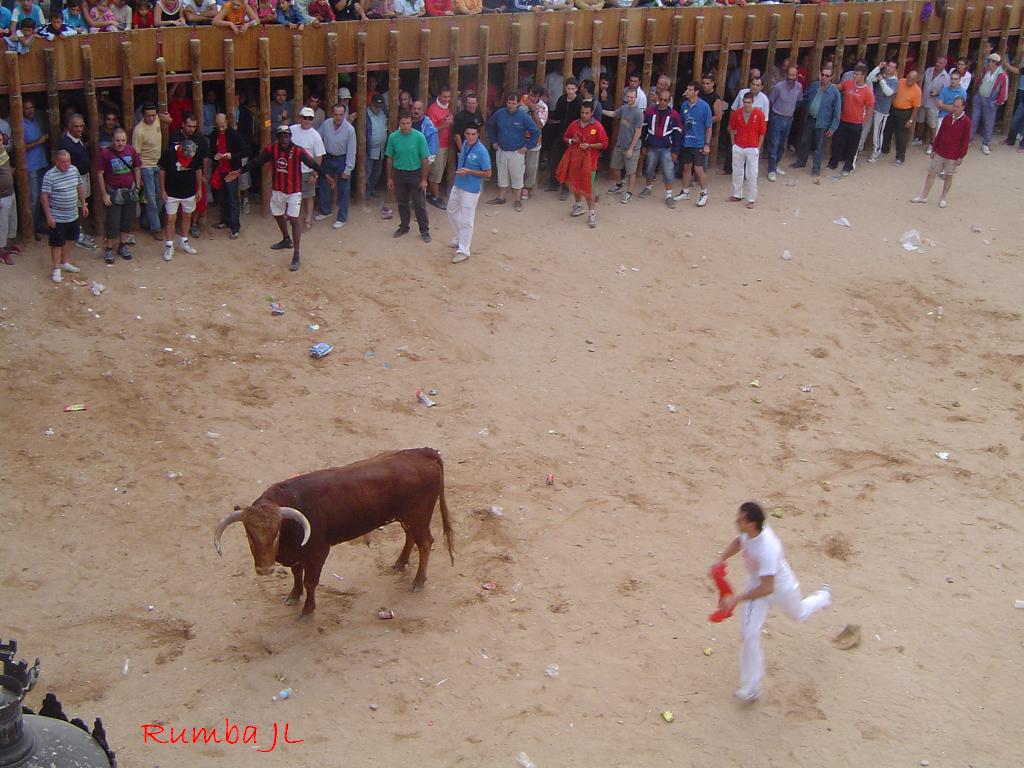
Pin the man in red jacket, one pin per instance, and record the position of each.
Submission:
(949, 147)
(747, 128)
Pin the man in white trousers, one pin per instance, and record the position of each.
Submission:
(472, 167)
(770, 581)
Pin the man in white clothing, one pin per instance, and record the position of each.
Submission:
(770, 581)
(304, 135)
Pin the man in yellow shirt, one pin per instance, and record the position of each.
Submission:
(905, 104)
(148, 142)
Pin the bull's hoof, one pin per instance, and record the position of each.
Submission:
(291, 600)
(417, 587)
(304, 616)
(399, 567)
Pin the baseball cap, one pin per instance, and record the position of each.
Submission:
(994, 57)
(283, 128)
(344, 93)
(307, 112)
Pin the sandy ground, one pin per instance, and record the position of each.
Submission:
(554, 350)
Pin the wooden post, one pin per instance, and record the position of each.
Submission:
(901, 58)
(229, 82)
(331, 76)
(393, 79)
(453, 85)
(986, 31)
(542, 54)
(453, 59)
(947, 28)
(127, 87)
(25, 228)
(512, 66)
(840, 50)
(773, 41)
(819, 44)
(965, 33)
(296, 77)
(424, 86)
(595, 53)
(794, 48)
(882, 52)
(723, 63)
(862, 35)
(748, 50)
(698, 46)
(922, 57)
(92, 116)
(195, 58)
(570, 49)
(361, 119)
(482, 75)
(265, 170)
(673, 51)
(53, 100)
(161, 97)
(648, 69)
(1014, 80)
(620, 67)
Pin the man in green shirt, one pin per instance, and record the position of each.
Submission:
(406, 153)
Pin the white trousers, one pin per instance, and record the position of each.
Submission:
(461, 213)
(754, 614)
(877, 129)
(8, 220)
(744, 163)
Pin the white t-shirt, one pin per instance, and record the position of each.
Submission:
(309, 140)
(763, 556)
(760, 102)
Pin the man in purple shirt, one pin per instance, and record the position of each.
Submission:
(783, 97)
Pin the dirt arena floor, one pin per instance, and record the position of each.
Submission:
(826, 385)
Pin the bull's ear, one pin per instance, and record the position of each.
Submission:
(237, 507)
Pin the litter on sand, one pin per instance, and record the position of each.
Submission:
(75, 407)
(422, 397)
(321, 349)
(787, 256)
(842, 221)
(911, 240)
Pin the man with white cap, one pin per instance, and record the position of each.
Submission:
(305, 136)
(992, 93)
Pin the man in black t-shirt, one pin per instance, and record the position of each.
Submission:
(181, 182)
(469, 117)
(190, 130)
(349, 10)
(566, 111)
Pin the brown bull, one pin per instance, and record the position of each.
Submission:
(297, 521)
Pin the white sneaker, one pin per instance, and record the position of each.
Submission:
(748, 696)
(919, 199)
(459, 257)
(684, 195)
(337, 225)
(873, 158)
(55, 276)
(986, 149)
(702, 198)
(168, 251)
(928, 150)
(918, 142)
(592, 220)
(771, 176)
(780, 172)
(67, 266)
(321, 216)
(186, 246)
(577, 210)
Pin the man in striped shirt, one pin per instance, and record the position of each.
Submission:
(62, 194)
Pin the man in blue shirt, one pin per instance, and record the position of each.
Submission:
(35, 160)
(697, 124)
(949, 93)
(824, 107)
(512, 132)
(472, 167)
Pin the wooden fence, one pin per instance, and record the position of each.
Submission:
(200, 54)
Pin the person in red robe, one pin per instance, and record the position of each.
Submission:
(586, 140)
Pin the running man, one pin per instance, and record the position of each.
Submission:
(770, 581)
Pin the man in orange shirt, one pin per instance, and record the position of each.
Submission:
(902, 116)
(747, 128)
(858, 105)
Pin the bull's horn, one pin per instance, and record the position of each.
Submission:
(234, 517)
(294, 514)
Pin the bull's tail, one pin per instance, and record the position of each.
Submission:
(446, 523)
